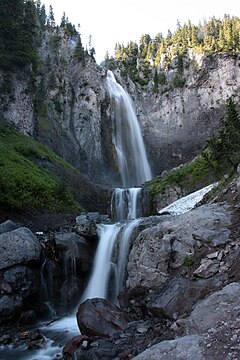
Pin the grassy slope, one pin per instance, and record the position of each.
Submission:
(188, 178)
(25, 183)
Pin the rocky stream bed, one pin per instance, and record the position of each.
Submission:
(181, 299)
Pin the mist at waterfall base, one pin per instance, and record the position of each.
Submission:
(108, 274)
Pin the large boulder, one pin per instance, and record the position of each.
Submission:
(162, 248)
(22, 280)
(221, 306)
(19, 246)
(180, 295)
(99, 317)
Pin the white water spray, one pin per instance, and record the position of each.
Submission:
(124, 204)
(127, 138)
(98, 283)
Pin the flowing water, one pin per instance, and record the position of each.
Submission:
(133, 165)
(134, 171)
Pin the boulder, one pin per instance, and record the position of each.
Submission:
(86, 225)
(10, 308)
(160, 249)
(19, 246)
(221, 306)
(7, 226)
(180, 296)
(99, 317)
(22, 280)
(183, 348)
(76, 250)
(74, 343)
(149, 259)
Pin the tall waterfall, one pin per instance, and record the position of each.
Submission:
(127, 138)
(134, 170)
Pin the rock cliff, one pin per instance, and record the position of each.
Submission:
(67, 106)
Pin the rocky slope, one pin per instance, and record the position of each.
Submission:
(182, 289)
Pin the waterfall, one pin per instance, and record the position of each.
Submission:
(98, 283)
(134, 170)
(124, 204)
(127, 138)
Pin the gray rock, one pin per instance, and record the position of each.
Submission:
(220, 306)
(7, 226)
(10, 307)
(161, 248)
(76, 250)
(180, 296)
(18, 246)
(22, 280)
(86, 227)
(148, 259)
(183, 348)
(207, 268)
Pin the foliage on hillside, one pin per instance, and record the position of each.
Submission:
(221, 156)
(149, 59)
(21, 26)
(24, 182)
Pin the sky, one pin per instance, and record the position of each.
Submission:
(110, 21)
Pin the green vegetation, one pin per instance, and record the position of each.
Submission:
(140, 60)
(187, 261)
(24, 182)
(221, 156)
(21, 25)
(19, 35)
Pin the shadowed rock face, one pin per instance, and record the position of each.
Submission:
(99, 317)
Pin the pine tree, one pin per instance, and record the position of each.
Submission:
(79, 50)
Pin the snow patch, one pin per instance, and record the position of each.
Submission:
(188, 202)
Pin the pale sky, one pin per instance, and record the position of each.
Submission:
(110, 21)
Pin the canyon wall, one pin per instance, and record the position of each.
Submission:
(67, 107)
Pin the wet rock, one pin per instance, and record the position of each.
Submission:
(10, 308)
(28, 317)
(73, 344)
(86, 225)
(7, 226)
(18, 246)
(70, 291)
(5, 339)
(101, 349)
(99, 317)
(183, 348)
(75, 249)
(23, 280)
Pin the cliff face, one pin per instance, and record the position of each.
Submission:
(177, 123)
(67, 107)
